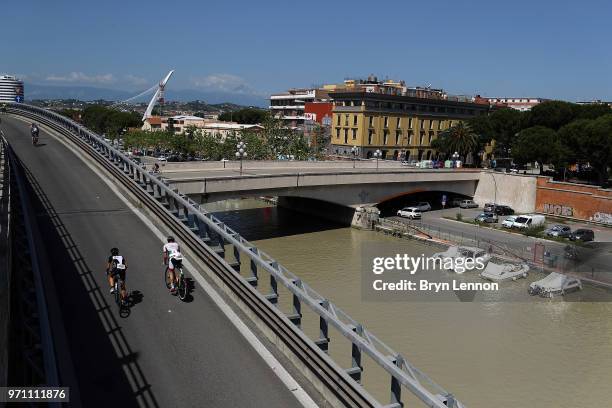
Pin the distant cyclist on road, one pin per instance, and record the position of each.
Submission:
(174, 259)
(117, 265)
(34, 132)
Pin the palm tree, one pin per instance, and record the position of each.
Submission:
(459, 138)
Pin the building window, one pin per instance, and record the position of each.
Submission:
(337, 133)
(355, 120)
(346, 120)
(386, 122)
(450, 124)
(421, 137)
(370, 136)
(439, 125)
(410, 134)
(354, 134)
(398, 137)
(338, 121)
(345, 136)
(399, 123)
(371, 121)
(422, 124)
(409, 123)
(431, 124)
(385, 136)
(431, 136)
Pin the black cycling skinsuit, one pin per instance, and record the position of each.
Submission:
(114, 261)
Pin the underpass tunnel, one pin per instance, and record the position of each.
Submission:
(391, 205)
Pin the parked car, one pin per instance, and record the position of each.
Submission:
(468, 204)
(489, 207)
(558, 230)
(162, 158)
(456, 202)
(409, 212)
(411, 163)
(487, 217)
(503, 210)
(423, 206)
(509, 221)
(529, 221)
(582, 234)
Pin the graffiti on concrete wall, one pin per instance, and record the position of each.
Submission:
(604, 218)
(557, 209)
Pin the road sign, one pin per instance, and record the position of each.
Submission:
(18, 98)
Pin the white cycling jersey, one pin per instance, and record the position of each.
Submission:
(119, 261)
(173, 250)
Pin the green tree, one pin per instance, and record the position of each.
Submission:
(246, 116)
(597, 145)
(552, 114)
(505, 125)
(537, 143)
(459, 138)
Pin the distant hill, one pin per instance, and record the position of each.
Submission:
(87, 93)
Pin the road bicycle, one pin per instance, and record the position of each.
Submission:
(121, 303)
(182, 283)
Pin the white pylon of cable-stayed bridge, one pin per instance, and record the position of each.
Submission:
(158, 96)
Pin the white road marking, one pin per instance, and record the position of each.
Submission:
(290, 383)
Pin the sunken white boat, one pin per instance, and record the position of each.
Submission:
(505, 271)
(554, 284)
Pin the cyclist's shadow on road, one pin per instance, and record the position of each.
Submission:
(190, 288)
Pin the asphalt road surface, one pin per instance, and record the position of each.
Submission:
(166, 353)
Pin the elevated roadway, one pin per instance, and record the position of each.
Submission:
(334, 182)
(165, 353)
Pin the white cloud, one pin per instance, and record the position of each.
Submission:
(80, 77)
(223, 82)
(135, 80)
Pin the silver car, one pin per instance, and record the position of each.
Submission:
(558, 230)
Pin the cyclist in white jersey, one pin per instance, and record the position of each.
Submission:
(174, 259)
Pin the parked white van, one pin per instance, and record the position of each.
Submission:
(528, 221)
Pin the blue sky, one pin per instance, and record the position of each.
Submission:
(554, 49)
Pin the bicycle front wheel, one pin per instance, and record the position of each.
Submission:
(167, 280)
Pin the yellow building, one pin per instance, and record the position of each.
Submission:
(401, 127)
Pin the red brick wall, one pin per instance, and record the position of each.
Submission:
(574, 200)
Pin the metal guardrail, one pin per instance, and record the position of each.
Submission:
(207, 235)
(38, 361)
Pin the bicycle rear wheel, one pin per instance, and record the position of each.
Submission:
(167, 280)
(182, 286)
(117, 291)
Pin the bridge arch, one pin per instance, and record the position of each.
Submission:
(390, 204)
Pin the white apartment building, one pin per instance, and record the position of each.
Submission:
(11, 89)
(520, 104)
(289, 106)
(211, 127)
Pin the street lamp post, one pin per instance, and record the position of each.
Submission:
(377, 155)
(455, 157)
(355, 152)
(241, 153)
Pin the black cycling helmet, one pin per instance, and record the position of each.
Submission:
(114, 251)
(170, 238)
